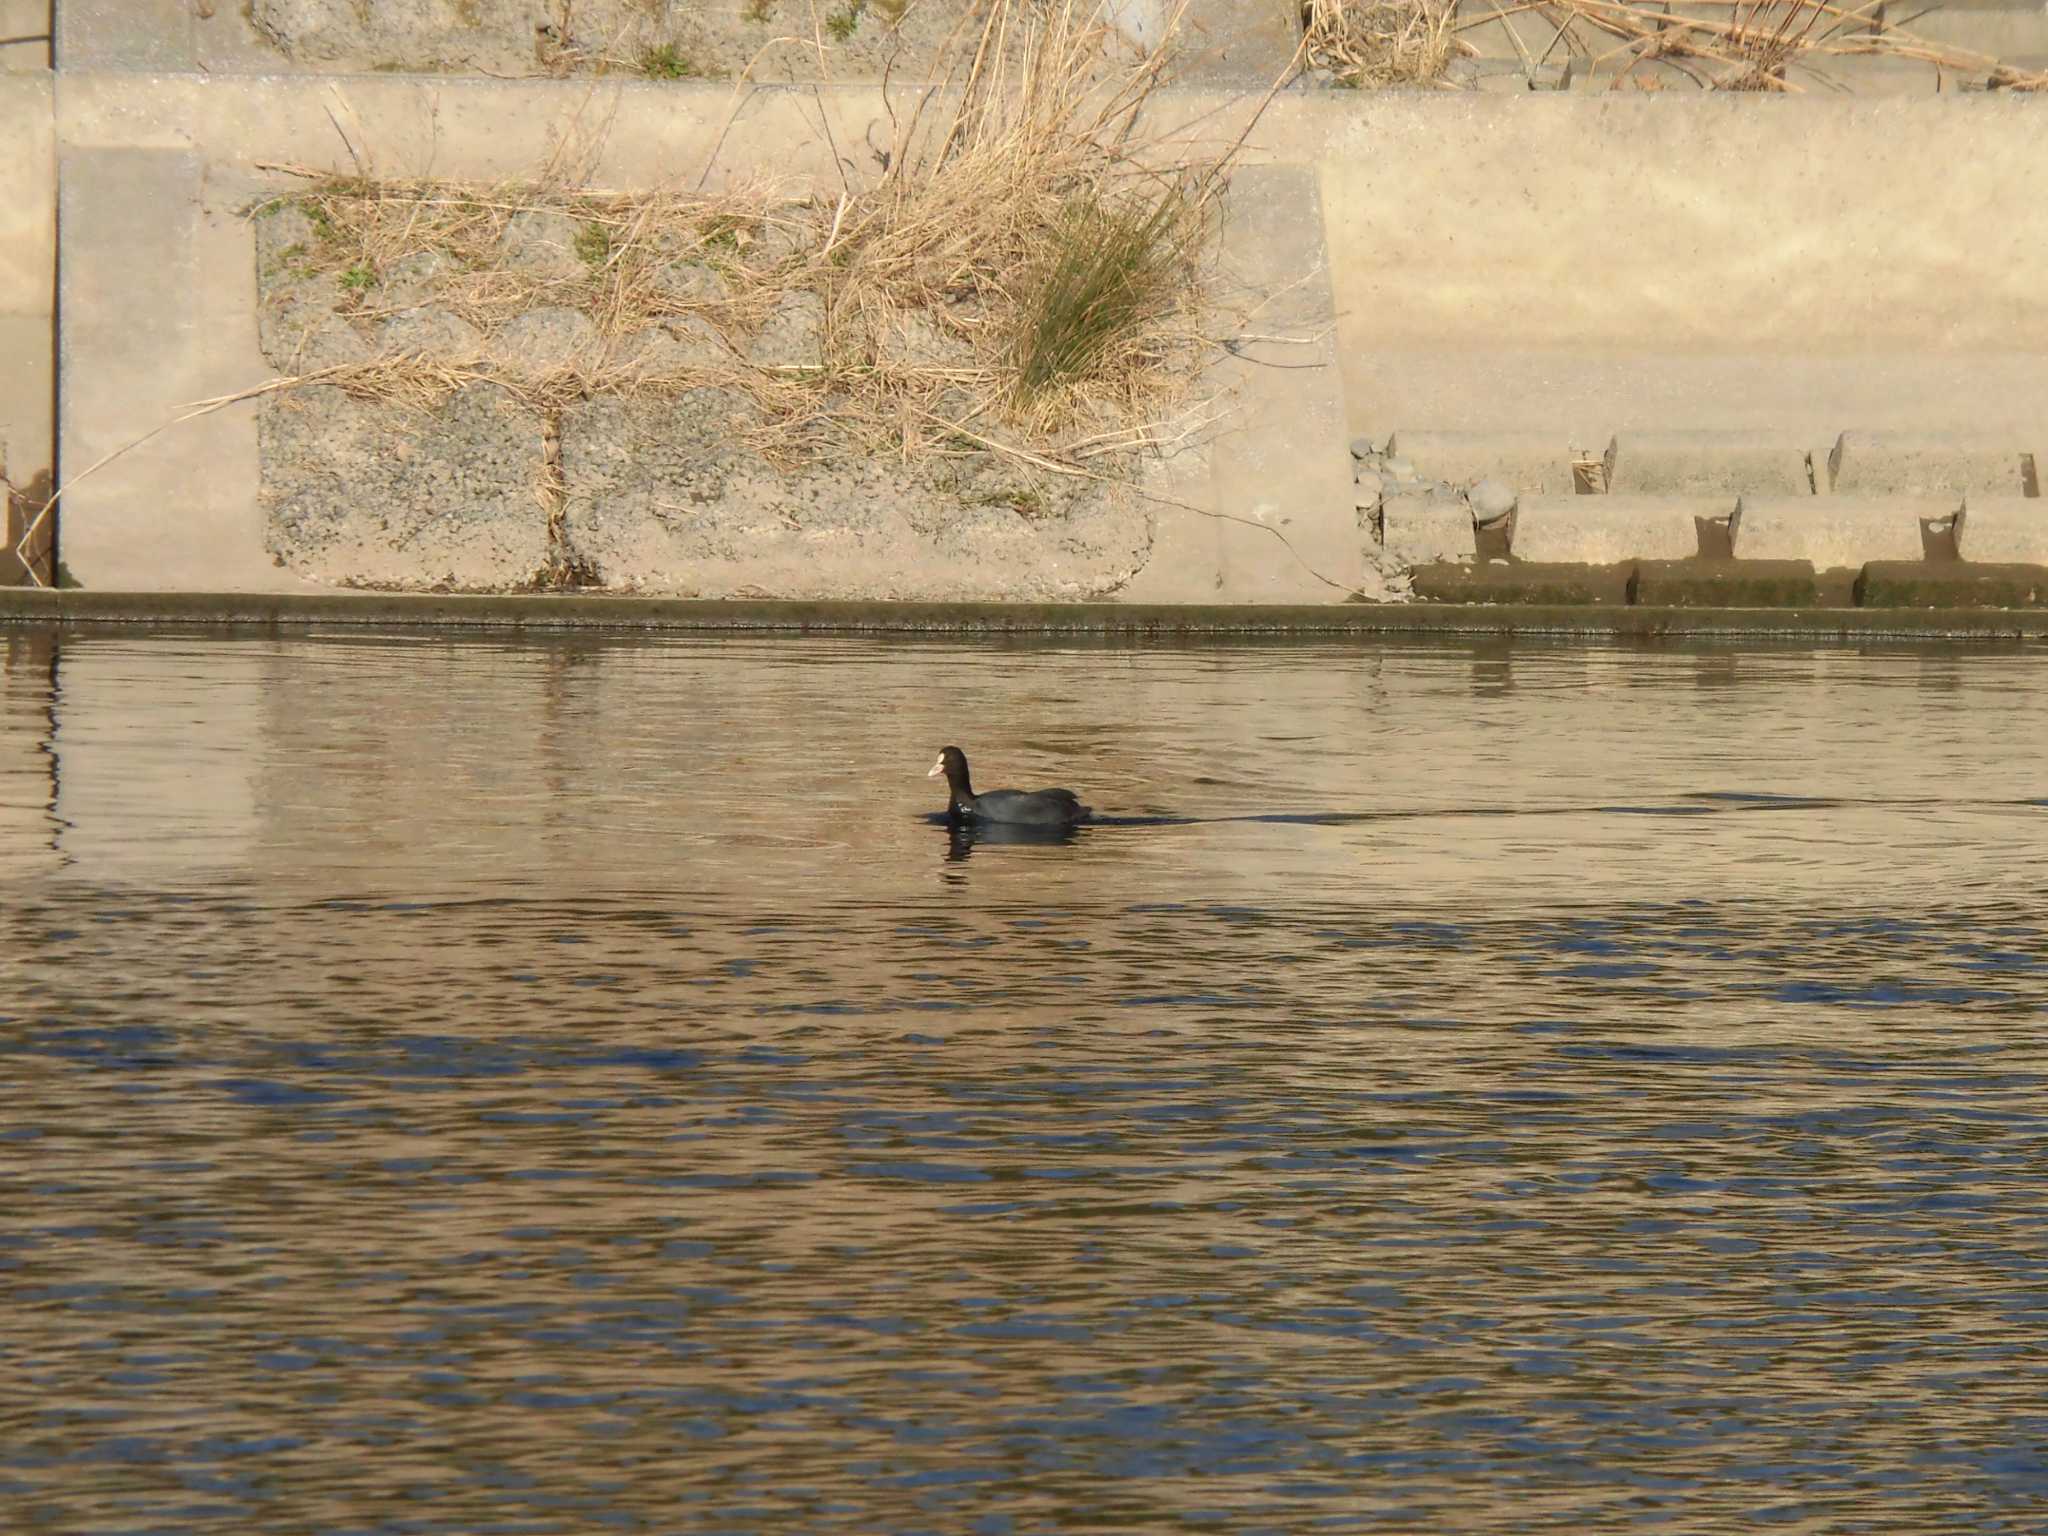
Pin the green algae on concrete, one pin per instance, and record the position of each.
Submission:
(1727, 584)
(1951, 584)
(1525, 582)
(314, 613)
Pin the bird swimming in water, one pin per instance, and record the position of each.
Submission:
(1012, 807)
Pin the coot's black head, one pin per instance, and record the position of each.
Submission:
(953, 764)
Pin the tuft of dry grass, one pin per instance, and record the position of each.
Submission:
(1753, 45)
(1370, 44)
(1016, 271)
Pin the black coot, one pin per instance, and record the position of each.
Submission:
(1014, 807)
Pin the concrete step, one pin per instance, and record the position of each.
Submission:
(1841, 530)
(1740, 584)
(1955, 585)
(1603, 529)
(1829, 532)
(1707, 464)
(1914, 464)
(2004, 529)
(1732, 462)
(1533, 463)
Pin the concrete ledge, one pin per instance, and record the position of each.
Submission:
(1520, 581)
(1839, 530)
(1727, 584)
(1706, 464)
(1531, 463)
(1601, 529)
(1956, 584)
(311, 614)
(2005, 530)
(1916, 464)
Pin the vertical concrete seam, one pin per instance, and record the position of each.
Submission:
(553, 492)
(563, 568)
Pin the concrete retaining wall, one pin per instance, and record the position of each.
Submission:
(28, 293)
(773, 41)
(1647, 300)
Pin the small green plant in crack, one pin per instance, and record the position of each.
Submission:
(756, 12)
(724, 233)
(593, 245)
(291, 261)
(843, 24)
(666, 62)
(359, 278)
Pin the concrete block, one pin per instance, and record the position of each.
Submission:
(1963, 584)
(1280, 461)
(158, 311)
(153, 35)
(1529, 463)
(1602, 529)
(28, 437)
(1519, 581)
(358, 494)
(24, 38)
(664, 496)
(28, 195)
(1237, 42)
(28, 275)
(2005, 530)
(1838, 530)
(1706, 464)
(2004, 33)
(1912, 464)
(1726, 584)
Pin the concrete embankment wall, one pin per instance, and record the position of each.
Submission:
(1810, 328)
(28, 282)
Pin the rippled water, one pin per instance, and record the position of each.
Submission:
(575, 1086)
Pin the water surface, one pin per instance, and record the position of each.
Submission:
(574, 1086)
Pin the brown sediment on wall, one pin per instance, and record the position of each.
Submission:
(314, 614)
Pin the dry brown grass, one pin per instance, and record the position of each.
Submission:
(1371, 44)
(1751, 45)
(943, 291)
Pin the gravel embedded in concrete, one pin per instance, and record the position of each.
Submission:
(356, 493)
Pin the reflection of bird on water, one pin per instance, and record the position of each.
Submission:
(964, 836)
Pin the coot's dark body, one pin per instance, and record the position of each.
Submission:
(1011, 807)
